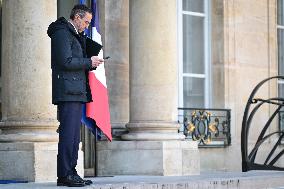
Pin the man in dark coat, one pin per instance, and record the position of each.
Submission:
(70, 88)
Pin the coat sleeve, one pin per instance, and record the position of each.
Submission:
(62, 51)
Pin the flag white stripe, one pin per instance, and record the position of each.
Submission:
(100, 71)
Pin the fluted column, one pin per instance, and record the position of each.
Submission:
(153, 71)
(27, 112)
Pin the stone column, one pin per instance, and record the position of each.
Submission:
(28, 139)
(27, 112)
(154, 146)
(153, 71)
(115, 33)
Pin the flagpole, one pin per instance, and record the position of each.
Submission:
(95, 154)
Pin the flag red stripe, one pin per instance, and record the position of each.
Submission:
(99, 109)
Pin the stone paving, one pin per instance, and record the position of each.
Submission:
(250, 180)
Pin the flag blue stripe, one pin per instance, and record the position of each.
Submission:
(87, 121)
(82, 2)
(95, 20)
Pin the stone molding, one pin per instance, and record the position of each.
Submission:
(28, 131)
(29, 137)
(153, 131)
(27, 124)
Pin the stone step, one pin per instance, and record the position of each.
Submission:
(249, 180)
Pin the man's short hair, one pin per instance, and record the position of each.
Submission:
(81, 10)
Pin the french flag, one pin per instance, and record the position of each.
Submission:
(96, 113)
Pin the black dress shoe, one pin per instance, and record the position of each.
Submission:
(70, 181)
(87, 182)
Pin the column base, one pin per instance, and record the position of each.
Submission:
(118, 129)
(28, 131)
(152, 136)
(33, 162)
(29, 137)
(167, 158)
(153, 131)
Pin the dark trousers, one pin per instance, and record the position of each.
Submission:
(69, 116)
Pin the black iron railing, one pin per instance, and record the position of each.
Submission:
(211, 127)
(281, 120)
(252, 107)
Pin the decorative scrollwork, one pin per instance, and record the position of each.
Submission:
(203, 126)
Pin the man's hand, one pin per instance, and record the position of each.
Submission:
(96, 61)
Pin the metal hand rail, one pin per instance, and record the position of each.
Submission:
(248, 158)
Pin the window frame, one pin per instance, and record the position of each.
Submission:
(279, 82)
(207, 54)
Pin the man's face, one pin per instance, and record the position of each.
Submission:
(82, 23)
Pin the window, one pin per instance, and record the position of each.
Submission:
(194, 53)
(201, 76)
(280, 41)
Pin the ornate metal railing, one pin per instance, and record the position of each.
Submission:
(211, 127)
(252, 106)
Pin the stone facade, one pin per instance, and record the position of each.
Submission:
(141, 39)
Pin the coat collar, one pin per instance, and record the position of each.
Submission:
(76, 31)
(72, 29)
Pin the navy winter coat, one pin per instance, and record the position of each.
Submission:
(68, 63)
